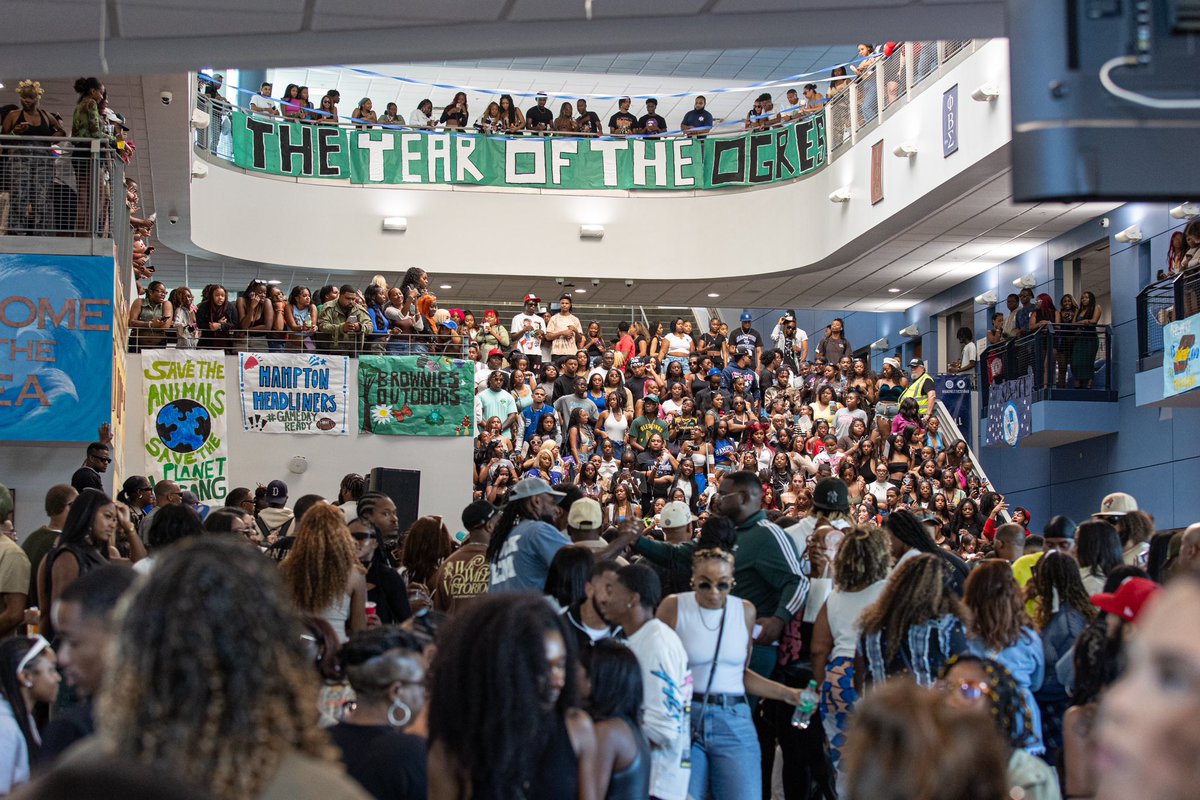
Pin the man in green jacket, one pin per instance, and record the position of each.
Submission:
(766, 566)
(343, 324)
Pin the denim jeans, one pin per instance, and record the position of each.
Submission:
(726, 762)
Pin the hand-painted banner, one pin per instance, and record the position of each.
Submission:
(184, 392)
(56, 346)
(1181, 356)
(294, 393)
(416, 395)
(413, 158)
(1010, 411)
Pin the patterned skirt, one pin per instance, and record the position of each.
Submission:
(838, 697)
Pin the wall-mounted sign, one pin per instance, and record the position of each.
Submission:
(414, 158)
(1181, 356)
(1010, 411)
(184, 394)
(950, 121)
(294, 393)
(876, 172)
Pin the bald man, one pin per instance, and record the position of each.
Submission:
(1189, 549)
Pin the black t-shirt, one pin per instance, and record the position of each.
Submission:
(750, 339)
(86, 478)
(387, 590)
(622, 122)
(539, 115)
(564, 385)
(659, 122)
(589, 122)
(389, 764)
(71, 726)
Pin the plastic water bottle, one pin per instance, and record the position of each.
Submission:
(802, 716)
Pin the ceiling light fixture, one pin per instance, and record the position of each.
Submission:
(986, 93)
(581, 291)
(841, 195)
(273, 282)
(714, 294)
(591, 231)
(893, 290)
(987, 298)
(880, 344)
(906, 150)
(1025, 281)
(1130, 235)
(199, 170)
(1185, 211)
(397, 224)
(445, 286)
(911, 331)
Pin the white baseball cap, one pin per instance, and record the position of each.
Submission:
(1117, 504)
(676, 515)
(584, 515)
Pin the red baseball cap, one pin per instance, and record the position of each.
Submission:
(494, 352)
(532, 298)
(1128, 600)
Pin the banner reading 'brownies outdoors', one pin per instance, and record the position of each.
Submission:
(416, 395)
(413, 158)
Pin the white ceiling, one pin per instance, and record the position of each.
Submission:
(76, 37)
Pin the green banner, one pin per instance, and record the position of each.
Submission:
(416, 395)
(412, 158)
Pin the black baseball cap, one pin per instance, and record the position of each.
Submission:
(477, 514)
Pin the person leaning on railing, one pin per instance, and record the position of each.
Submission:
(343, 323)
(87, 123)
(30, 172)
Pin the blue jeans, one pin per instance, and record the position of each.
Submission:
(726, 761)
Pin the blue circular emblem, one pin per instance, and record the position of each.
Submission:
(1010, 424)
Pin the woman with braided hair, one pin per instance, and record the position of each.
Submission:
(1000, 629)
(322, 574)
(914, 627)
(984, 686)
(1064, 609)
(209, 682)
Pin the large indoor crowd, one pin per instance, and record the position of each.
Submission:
(697, 564)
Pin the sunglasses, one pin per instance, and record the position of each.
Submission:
(105, 459)
(708, 586)
(361, 536)
(968, 690)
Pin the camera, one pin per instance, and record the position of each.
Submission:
(173, 219)
(1104, 223)
(628, 282)
(595, 281)
(166, 97)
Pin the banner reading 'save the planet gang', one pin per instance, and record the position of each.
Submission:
(184, 395)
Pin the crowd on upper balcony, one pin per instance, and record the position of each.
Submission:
(504, 116)
(1074, 344)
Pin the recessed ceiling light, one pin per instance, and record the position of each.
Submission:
(581, 291)
(893, 290)
(274, 283)
(714, 294)
(445, 286)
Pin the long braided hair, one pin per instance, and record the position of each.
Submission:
(209, 680)
(915, 594)
(316, 569)
(1004, 696)
(1057, 575)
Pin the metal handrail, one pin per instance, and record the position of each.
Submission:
(948, 425)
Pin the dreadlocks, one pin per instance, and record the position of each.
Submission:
(209, 680)
(1057, 576)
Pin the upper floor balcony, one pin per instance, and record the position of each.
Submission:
(1168, 319)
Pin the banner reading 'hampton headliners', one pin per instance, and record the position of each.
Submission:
(294, 393)
(416, 395)
(184, 395)
(377, 156)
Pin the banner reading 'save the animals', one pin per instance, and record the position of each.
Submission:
(184, 396)
(294, 393)
(416, 395)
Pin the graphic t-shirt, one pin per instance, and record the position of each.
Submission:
(525, 558)
(622, 122)
(463, 577)
(748, 340)
(527, 342)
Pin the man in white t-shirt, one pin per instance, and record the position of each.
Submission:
(970, 353)
(262, 103)
(527, 330)
(790, 340)
(564, 331)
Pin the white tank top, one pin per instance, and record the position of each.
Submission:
(615, 426)
(844, 610)
(698, 627)
(336, 615)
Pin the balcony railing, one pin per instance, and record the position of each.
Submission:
(868, 98)
(1069, 362)
(61, 187)
(1159, 303)
(346, 344)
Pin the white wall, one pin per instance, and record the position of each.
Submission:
(29, 470)
(445, 463)
(702, 235)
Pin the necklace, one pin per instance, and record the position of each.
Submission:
(720, 617)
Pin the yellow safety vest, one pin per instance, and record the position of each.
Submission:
(919, 391)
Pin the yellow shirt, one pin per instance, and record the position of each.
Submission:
(1023, 571)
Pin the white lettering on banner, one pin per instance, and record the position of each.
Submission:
(464, 146)
(559, 150)
(608, 149)
(408, 156)
(376, 148)
(680, 161)
(518, 147)
(657, 162)
(439, 151)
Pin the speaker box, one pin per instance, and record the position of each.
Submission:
(403, 486)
